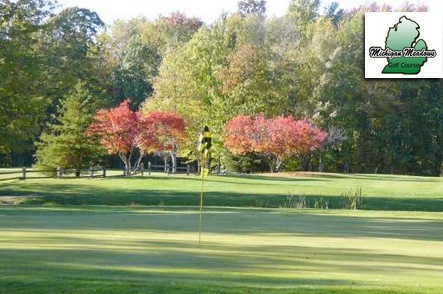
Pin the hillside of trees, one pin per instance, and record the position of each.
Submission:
(59, 67)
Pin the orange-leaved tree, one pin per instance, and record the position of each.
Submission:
(162, 132)
(116, 129)
(276, 138)
(122, 131)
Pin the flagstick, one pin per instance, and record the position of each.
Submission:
(201, 210)
(205, 144)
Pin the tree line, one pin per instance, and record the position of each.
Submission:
(58, 68)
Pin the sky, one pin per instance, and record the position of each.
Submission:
(207, 10)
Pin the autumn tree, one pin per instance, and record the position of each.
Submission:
(176, 29)
(220, 73)
(246, 87)
(277, 138)
(117, 129)
(161, 133)
(126, 133)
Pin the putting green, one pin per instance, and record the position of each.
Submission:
(271, 250)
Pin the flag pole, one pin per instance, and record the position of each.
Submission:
(201, 206)
(205, 143)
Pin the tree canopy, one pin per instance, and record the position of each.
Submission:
(306, 66)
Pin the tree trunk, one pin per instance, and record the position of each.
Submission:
(174, 161)
(271, 168)
(279, 165)
(127, 164)
(139, 160)
(320, 162)
(165, 160)
(271, 162)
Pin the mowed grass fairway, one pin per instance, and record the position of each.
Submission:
(381, 192)
(140, 235)
(156, 250)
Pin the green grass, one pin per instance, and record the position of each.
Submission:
(99, 236)
(244, 250)
(380, 192)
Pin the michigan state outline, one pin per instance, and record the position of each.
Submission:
(404, 53)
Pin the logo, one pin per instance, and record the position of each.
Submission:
(404, 50)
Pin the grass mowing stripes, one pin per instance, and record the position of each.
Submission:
(155, 250)
(109, 248)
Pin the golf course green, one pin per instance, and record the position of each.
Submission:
(108, 236)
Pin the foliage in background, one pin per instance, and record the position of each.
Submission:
(63, 143)
(21, 63)
(117, 130)
(162, 133)
(302, 64)
(44, 54)
(277, 138)
(252, 7)
(134, 52)
(128, 133)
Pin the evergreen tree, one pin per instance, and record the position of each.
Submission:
(64, 144)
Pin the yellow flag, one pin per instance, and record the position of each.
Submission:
(205, 140)
(205, 172)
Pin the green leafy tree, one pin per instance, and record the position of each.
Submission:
(390, 126)
(188, 81)
(63, 144)
(22, 96)
(134, 51)
(43, 55)
(252, 7)
(334, 12)
(135, 72)
(71, 52)
(303, 12)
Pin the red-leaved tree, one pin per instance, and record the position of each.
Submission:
(162, 133)
(116, 129)
(121, 131)
(239, 135)
(276, 138)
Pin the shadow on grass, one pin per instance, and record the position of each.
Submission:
(185, 191)
(272, 178)
(222, 262)
(115, 286)
(241, 222)
(161, 266)
(255, 248)
(79, 196)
